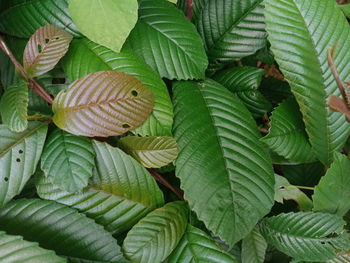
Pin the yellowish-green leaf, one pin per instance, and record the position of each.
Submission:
(104, 103)
(14, 107)
(151, 152)
(44, 49)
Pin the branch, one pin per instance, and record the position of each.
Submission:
(164, 182)
(189, 11)
(31, 82)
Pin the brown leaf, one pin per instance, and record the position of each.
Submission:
(44, 49)
(338, 105)
(104, 103)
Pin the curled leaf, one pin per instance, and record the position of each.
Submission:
(104, 103)
(44, 49)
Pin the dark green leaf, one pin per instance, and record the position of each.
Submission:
(253, 247)
(155, 236)
(167, 41)
(225, 172)
(60, 228)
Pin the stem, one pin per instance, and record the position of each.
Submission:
(164, 182)
(32, 82)
(304, 187)
(189, 9)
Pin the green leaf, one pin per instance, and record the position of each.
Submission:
(253, 247)
(287, 135)
(86, 57)
(332, 194)
(304, 174)
(151, 152)
(68, 160)
(105, 103)
(97, 19)
(341, 258)
(285, 191)
(225, 172)
(121, 191)
(167, 41)
(301, 32)
(244, 82)
(44, 49)
(305, 235)
(21, 18)
(19, 156)
(197, 246)
(16, 250)
(14, 107)
(60, 228)
(155, 236)
(345, 9)
(231, 29)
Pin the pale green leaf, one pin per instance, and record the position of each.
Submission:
(86, 57)
(121, 191)
(301, 32)
(106, 22)
(197, 246)
(167, 41)
(342, 257)
(155, 236)
(104, 103)
(253, 247)
(151, 152)
(332, 194)
(62, 229)
(19, 156)
(21, 18)
(13, 249)
(14, 106)
(287, 135)
(345, 9)
(68, 160)
(306, 235)
(224, 170)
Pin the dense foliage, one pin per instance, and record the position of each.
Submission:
(149, 131)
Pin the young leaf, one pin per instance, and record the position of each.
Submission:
(225, 172)
(332, 194)
(167, 41)
(285, 191)
(68, 160)
(105, 103)
(231, 29)
(301, 33)
(121, 191)
(197, 246)
(155, 236)
(21, 18)
(151, 152)
(16, 250)
(306, 236)
(287, 135)
(86, 57)
(19, 156)
(44, 49)
(14, 107)
(245, 81)
(97, 20)
(253, 247)
(60, 228)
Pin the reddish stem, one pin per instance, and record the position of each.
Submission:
(32, 82)
(189, 11)
(164, 182)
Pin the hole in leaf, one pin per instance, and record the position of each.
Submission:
(323, 243)
(47, 40)
(125, 125)
(6, 179)
(18, 160)
(57, 38)
(40, 49)
(20, 151)
(282, 187)
(134, 93)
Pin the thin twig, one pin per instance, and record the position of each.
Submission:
(31, 82)
(164, 182)
(189, 11)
